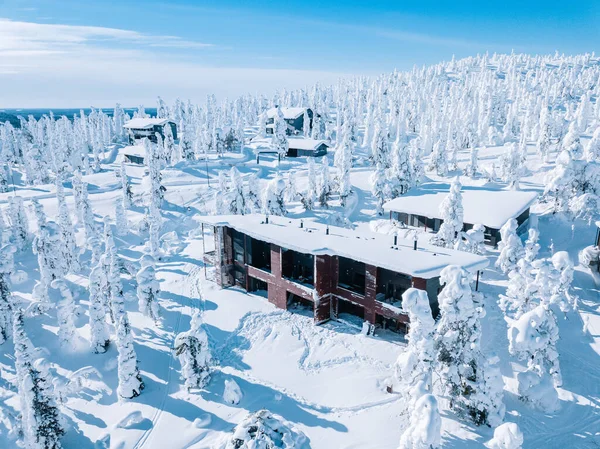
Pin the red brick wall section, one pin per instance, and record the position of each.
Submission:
(277, 292)
(324, 285)
(370, 292)
(419, 283)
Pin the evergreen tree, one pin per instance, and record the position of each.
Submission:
(19, 222)
(279, 141)
(511, 166)
(40, 415)
(130, 380)
(47, 245)
(451, 211)
(38, 211)
(401, 168)
(126, 191)
(6, 299)
(473, 165)
(291, 192)
(99, 297)
(148, 289)
(121, 223)
(61, 295)
(193, 351)
(273, 201)
(425, 425)
(510, 246)
(69, 250)
(253, 194)
(308, 200)
(237, 202)
(117, 302)
(439, 159)
(324, 184)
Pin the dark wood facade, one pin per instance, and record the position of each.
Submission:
(492, 235)
(332, 285)
(294, 125)
(150, 132)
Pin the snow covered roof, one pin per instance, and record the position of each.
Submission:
(368, 247)
(486, 205)
(134, 150)
(305, 144)
(288, 113)
(146, 123)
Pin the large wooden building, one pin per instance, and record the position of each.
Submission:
(420, 208)
(140, 128)
(330, 269)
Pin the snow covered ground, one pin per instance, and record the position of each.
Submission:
(328, 380)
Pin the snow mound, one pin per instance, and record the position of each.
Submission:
(263, 429)
(506, 436)
(202, 421)
(135, 420)
(232, 393)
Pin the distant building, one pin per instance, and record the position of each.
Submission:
(294, 118)
(139, 128)
(331, 270)
(419, 208)
(307, 147)
(134, 154)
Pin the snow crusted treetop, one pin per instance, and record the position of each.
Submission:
(265, 430)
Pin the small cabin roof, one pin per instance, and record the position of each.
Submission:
(367, 247)
(288, 113)
(134, 150)
(486, 205)
(146, 123)
(306, 144)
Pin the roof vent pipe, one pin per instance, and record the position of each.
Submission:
(266, 219)
(415, 244)
(301, 224)
(395, 239)
(327, 230)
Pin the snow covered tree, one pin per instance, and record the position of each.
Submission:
(439, 159)
(279, 141)
(38, 211)
(192, 349)
(69, 249)
(6, 300)
(273, 202)
(306, 125)
(121, 223)
(510, 246)
(237, 201)
(378, 187)
(291, 191)
(457, 342)
(380, 148)
(232, 393)
(126, 192)
(99, 298)
(324, 184)
(413, 368)
(572, 143)
(18, 222)
(473, 165)
(254, 193)
(117, 302)
(130, 380)
(308, 199)
(506, 436)
(475, 239)
(401, 179)
(148, 289)
(451, 211)
(47, 245)
(425, 426)
(511, 167)
(533, 338)
(41, 420)
(532, 247)
(265, 430)
(343, 162)
(562, 278)
(60, 294)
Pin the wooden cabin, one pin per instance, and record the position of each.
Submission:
(420, 208)
(140, 128)
(331, 270)
(307, 147)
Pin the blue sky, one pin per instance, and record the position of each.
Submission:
(80, 53)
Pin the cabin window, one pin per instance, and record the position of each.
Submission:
(351, 275)
(298, 267)
(259, 255)
(238, 246)
(391, 285)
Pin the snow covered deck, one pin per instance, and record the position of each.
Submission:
(370, 248)
(485, 205)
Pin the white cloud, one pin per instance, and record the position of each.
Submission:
(77, 66)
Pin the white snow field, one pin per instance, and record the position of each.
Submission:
(327, 382)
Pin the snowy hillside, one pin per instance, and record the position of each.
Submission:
(114, 333)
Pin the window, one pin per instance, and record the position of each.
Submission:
(259, 254)
(238, 246)
(351, 275)
(298, 267)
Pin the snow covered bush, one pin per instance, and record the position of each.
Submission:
(265, 430)
(232, 394)
(273, 202)
(451, 211)
(424, 429)
(506, 436)
(192, 349)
